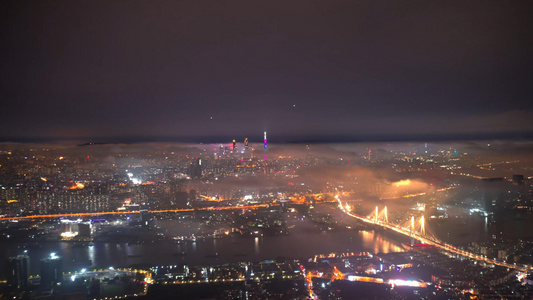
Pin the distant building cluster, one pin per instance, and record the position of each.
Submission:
(50, 194)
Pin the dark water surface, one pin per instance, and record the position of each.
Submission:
(457, 230)
(229, 249)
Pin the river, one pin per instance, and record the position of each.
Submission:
(229, 249)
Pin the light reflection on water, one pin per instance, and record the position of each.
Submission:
(230, 249)
(379, 243)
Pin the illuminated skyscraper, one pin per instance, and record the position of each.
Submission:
(234, 145)
(245, 143)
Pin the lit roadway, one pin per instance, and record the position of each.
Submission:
(136, 212)
(434, 241)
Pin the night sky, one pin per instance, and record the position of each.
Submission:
(207, 71)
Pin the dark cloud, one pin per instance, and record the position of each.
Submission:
(137, 69)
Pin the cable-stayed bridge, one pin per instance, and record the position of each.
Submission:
(416, 229)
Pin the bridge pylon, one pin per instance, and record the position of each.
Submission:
(412, 225)
(422, 226)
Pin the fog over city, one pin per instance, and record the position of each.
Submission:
(253, 150)
(244, 204)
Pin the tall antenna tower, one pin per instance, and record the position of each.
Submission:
(265, 139)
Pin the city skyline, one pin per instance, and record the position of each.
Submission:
(142, 219)
(266, 150)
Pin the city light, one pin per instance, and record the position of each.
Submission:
(432, 241)
(77, 186)
(69, 234)
(397, 158)
(400, 183)
(243, 211)
(411, 283)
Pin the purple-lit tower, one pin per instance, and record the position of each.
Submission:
(265, 141)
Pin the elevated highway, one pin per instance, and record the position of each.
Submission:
(245, 207)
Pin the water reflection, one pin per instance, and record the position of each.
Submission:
(378, 243)
(231, 249)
